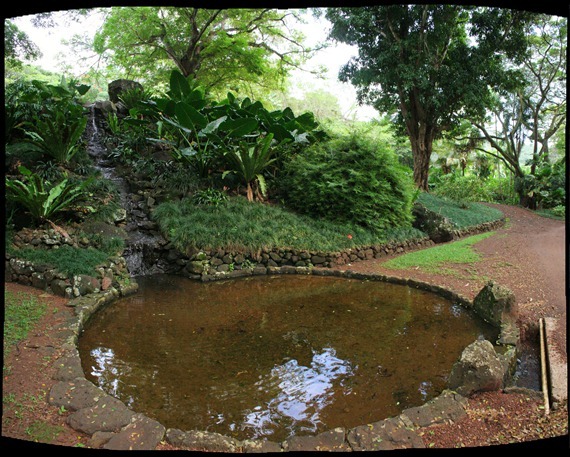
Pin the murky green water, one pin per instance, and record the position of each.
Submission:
(274, 356)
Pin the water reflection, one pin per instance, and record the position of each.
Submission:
(301, 393)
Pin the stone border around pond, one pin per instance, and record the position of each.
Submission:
(112, 425)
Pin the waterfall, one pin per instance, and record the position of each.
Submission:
(142, 247)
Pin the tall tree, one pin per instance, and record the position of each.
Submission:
(534, 111)
(435, 63)
(544, 95)
(220, 47)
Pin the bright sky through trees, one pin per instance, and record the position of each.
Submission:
(55, 55)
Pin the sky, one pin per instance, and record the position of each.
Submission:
(54, 53)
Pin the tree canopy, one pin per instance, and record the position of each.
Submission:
(432, 64)
(222, 48)
(17, 45)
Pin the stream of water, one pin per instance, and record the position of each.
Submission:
(139, 243)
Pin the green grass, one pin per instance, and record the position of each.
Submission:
(21, 313)
(461, 214)
(40, 432)
(550, 213)
(66, 259)
(241, 226)
(436, 259)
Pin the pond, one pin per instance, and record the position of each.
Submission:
(275, 356)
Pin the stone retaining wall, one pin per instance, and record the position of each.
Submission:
(194, 264)
(202, 262)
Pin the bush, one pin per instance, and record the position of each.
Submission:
(501, 190)
(349, 179)
(40, 198)
(462, 188)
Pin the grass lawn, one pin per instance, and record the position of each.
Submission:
(21, 312)
(435, 259)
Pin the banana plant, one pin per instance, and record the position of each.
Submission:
(248, 162)
(41, 199)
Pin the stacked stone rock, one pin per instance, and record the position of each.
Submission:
(45, 277)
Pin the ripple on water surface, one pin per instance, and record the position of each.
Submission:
(275, 356)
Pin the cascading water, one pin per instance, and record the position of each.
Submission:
(140, 247)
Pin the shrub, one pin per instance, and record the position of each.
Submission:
(501, 190)
(349, 179)
(210, 196)
(462, 188)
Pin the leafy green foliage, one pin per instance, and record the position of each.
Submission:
(212, 136)
(42, 199)
(501, 190)
(223, 48)
(58, 136)
(547, 186)
(349, 179)
(462, 188)
(242, 226)
(18, 45)
(249, 161)
(49, 116)
(210, 196)
(420, 58)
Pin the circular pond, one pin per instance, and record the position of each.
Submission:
(275, 356)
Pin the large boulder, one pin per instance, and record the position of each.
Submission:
(439, 228)
(495, 304)
(479, 369)
(115, 88)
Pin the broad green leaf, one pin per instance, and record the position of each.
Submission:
(82, 89)
(166, 106)
(307, 121)
(239, 127)
(25, 171)
(189, 117)
(280, 133)
(214, 125)
(179, 85)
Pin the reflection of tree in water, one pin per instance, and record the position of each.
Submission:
(301, 393)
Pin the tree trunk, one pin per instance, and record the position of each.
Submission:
(421, 132)
(422, 145)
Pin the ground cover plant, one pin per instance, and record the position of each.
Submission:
(460, 214)
(237, 224)
(67, 259)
